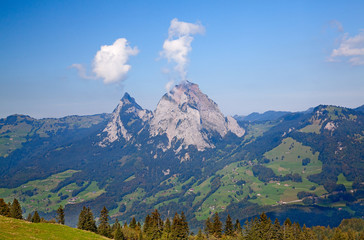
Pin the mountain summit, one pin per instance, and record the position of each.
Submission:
(187, 115)
(127, 119)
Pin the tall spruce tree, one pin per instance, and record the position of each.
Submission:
(15, 210)
(35, 218)
(115, 225)
(217, 226)
(86, 220)
(4, 208)
(60, 215)
(155, 226)
(229, 228)
(29, 218)
(208, 227)
(264, 227)
(118, 233)
(147, 224)
(133, 223)
(200, 235)
(237, 227)
(167, 229)
(185, 230)
(104, 226)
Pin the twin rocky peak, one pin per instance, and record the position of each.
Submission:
(184, 115)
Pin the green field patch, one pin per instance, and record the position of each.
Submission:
(202, 190)
(177, 188)
(341, 179)
(287, 158)
(36, 195)
(312, 128)
(130, 178)
(254, 130)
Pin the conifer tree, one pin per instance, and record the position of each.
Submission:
(29, 218)
(184, 226)
(104, 226)
(60, 215)
(15, 210)
(35, 218)
(147, 223)
(264, 227)
(154, 227)
(86, 220)
(4, 208)
(180, 229)
(208, 227)
(237, 227)
(229, 228)
(176, 226)
(277, 230)
(133, 223)
(200, 235)
(167, 229)
(115, 225)
(217, 226)
(118, 233)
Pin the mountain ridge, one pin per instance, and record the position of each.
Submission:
(138, 171)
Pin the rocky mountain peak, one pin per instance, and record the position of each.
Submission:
(188, 115)
(127, 119)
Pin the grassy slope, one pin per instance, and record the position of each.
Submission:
(43, 199)
(18, 229)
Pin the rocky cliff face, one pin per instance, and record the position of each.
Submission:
(186, 114)
(127, 120)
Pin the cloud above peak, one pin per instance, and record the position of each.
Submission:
(110, 62)
(350, 49)
(178, 44)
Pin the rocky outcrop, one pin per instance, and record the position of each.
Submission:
(126, 121)
(186, 114)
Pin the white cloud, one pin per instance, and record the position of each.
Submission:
(178, 44)
(350, 49)
(110, 62)
(169, 85)
(82, 71)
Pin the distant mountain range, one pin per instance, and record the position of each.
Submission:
(187, 156)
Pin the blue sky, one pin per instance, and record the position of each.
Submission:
(252, 56)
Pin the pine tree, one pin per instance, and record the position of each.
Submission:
(4, 208)
(208, 227)
(167, 229)
(176, 226)
(264, 227)
(104, 226)
(29, 218)
(153, 225)
(35, 218)
(184, 226)
(237, 227)
(200, 235)
(147, 223)
(133, 223)
(60, 215)
(119, 234)
(277, 230)
(217, 226)
(229, 228)
(86, 220)
(115, 226)
(15, 210)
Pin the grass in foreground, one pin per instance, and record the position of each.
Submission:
(11, 228)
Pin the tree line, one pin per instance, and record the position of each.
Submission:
(155, 228)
